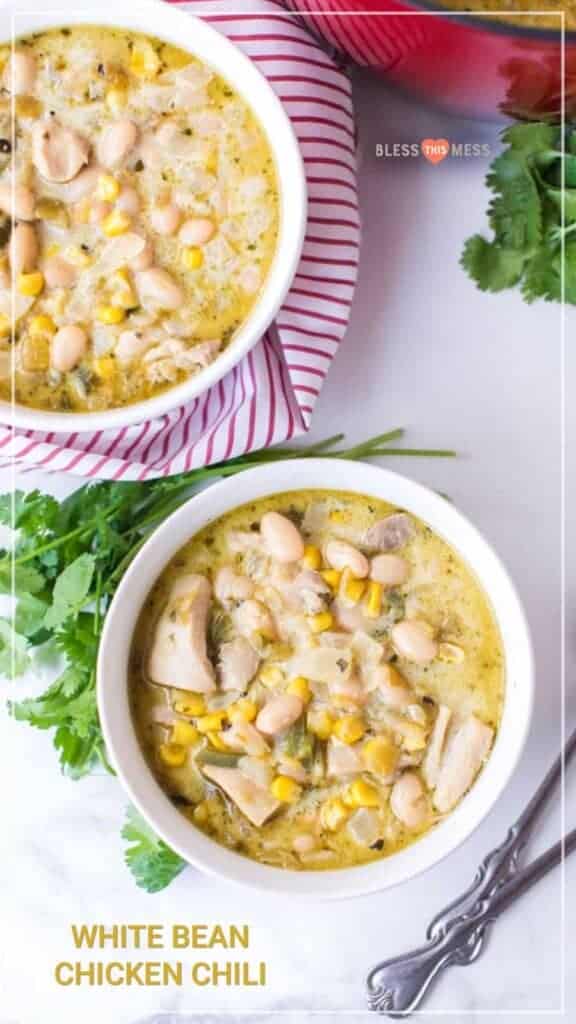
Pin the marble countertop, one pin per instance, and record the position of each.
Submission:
(480, 373)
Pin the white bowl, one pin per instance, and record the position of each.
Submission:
(166, 22)
(122, 616)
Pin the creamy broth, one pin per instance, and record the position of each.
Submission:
(146, 217)
(548, 17)
(352, 681)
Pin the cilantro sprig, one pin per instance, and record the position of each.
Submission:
(532, 216)
(65, 564)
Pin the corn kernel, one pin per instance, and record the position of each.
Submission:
(352, 588)
(201, 813)
(332, 577)
(361, 794)
(216, 741)
(193, 705)
(285, 789)
(31, 284)
(413, 737)
(107, 188)
(41, 326)
(373, 605)
(172, 754)
(144, 61)
(320, 723)
(380, 755)
(333, 814)
(192, 257)
(4, 325)
(174, 57)
(279, 651)
(184, 733)
(211, 722)
(116, 223)
(271, 675)
(243, 711)
(349, 729)
(321, 622)
(301, 688)
(110, 314)
(312, 557)
(105, 367)
(337, 515)
(116, 99)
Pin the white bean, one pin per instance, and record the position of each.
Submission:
(116, 141)
(23, 249)
(20, 73)
(69, 345)
(166, 219)
(197, 231)
(281, 537)
(21, 206)
(129, 201)
(99, 209)
(394, 691)
(412, 640)
(58, 273)
(390, 570)
(131, 345)
(58, 152)
(156, 288)
(83, 185)
(279, 713)
(304, 843)
(408, 801)
(341, 555)
(144, 259)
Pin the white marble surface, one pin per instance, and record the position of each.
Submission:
(480, 373)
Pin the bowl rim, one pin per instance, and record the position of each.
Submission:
(113, 699)
(499, 26)
(193, 33)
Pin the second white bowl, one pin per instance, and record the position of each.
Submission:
(166, 22)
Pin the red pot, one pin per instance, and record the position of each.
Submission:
(469, 64)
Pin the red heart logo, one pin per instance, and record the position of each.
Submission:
(435, 150)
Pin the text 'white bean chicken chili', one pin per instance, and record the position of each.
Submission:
(316, 679)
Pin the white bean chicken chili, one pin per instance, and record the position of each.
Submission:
(316, 680)
(145, 217)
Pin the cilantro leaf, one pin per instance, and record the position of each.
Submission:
(30, 612)
(515, 214)
(70, 591)
(26, 579)
(14, 656)
(153, 864)
(532, 214)
(492, 267)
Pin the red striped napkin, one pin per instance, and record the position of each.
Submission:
(269, 397)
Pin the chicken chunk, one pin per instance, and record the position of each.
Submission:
(255, 802)
(231, 586)
(467, 746)
(390, 533)
(178, 650)
(432, 760)
(238, 664)
(342, 759)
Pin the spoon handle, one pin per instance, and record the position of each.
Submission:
(457, 934)
(397, 986)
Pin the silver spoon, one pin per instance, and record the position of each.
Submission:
(457, 934)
